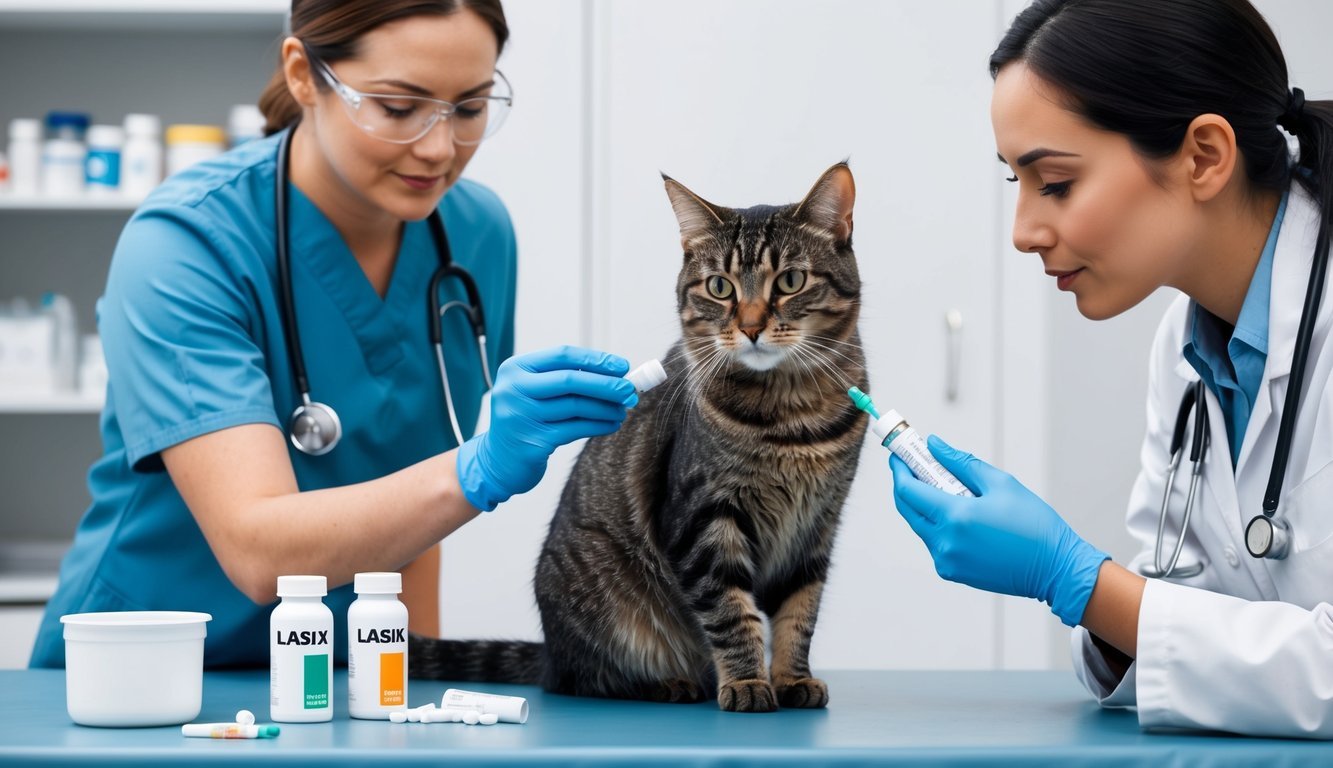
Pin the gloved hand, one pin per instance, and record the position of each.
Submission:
(540, 402)
(1005, 540)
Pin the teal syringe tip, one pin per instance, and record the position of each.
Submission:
(863, 402)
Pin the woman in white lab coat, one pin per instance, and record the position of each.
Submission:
(1145, 138)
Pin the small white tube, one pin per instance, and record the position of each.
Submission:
(245, 717)
(898, 436)
(510, 709)
(647, 376)
(228, 731)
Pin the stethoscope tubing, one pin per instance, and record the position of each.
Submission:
(313, 418)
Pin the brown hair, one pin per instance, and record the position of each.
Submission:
(330, 30)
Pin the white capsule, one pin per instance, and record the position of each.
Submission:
(426, 707)
(490, 718)
(245, 717)
(647, 376)
(398, 717)
(471, 717)
(413, 716)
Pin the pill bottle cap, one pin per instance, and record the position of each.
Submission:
(25, 128)
(143, 126)
(106, 136)
(245, 121)
(883, 426)
(302, 586)
(379, 583)
(182, 133)
(75, 120)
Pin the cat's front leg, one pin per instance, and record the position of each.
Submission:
(717, 573)
(793, 626)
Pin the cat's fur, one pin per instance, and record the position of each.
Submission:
(717, 501)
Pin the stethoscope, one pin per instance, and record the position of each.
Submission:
(1265, 535)
(314, 428)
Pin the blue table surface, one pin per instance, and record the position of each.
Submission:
(874, 718)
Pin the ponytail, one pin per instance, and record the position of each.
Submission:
(330, 30)
(1312, 125)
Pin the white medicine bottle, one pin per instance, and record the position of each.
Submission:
(301, 652)
(141, 157)
(377, 647)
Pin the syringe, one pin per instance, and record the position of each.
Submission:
(898, 436)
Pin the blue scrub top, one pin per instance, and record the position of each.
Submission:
(193, 337)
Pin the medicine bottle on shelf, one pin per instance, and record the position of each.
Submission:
(102, 169)
(376, 647)
(64, 154)
(301, 652)
(141, 159)
(25, 156)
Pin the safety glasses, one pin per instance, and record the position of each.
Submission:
(405, 119)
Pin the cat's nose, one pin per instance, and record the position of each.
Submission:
(752, 333)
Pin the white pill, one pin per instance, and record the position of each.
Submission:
(489, 718)
(413, 716)
(647, 376)
(426, 707)
(398, 717)
(455, 716)
(245, 717)
(429, 717)
(471, 717)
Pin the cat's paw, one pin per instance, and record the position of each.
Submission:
(747, 696)
(805, 693)
(674, 691)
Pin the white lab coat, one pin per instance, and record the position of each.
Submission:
(1247, 645)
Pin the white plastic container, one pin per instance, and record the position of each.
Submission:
(25, 156)
(301, 652)
(64, 154)
(141, 159)
(134, 668)
(102, 169)
(245, 123)
(190, 144)
(64, 348)
(377, 647)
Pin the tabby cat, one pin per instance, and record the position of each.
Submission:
(717, 501)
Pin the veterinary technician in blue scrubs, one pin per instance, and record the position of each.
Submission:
(203, 497)
(1149, 140)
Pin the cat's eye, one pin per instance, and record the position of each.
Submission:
(791, 281)
(720, 287)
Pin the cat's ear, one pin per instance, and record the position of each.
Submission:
(697, 217)
(829, 203)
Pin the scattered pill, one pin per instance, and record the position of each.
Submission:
(245, 717)
(398, 717)
(471, 717)
(489, 718)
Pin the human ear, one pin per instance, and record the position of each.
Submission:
(1210, 155)
(296, 69)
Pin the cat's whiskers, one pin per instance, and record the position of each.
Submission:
(821, 365)
(853, 362)
(684, 382)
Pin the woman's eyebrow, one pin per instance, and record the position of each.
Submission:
(420, 91)
(1028, 158)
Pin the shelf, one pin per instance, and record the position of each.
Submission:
(10, 202)
(47, 402)
(97, 15)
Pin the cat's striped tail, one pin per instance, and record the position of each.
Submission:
(479, 661)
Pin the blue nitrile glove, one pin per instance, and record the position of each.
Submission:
(1005, 540)
(540, 402)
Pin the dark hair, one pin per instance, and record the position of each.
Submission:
(330, 30)
(1147, 68)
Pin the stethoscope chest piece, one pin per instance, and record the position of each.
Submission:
(314, 428)
(1267, 537)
